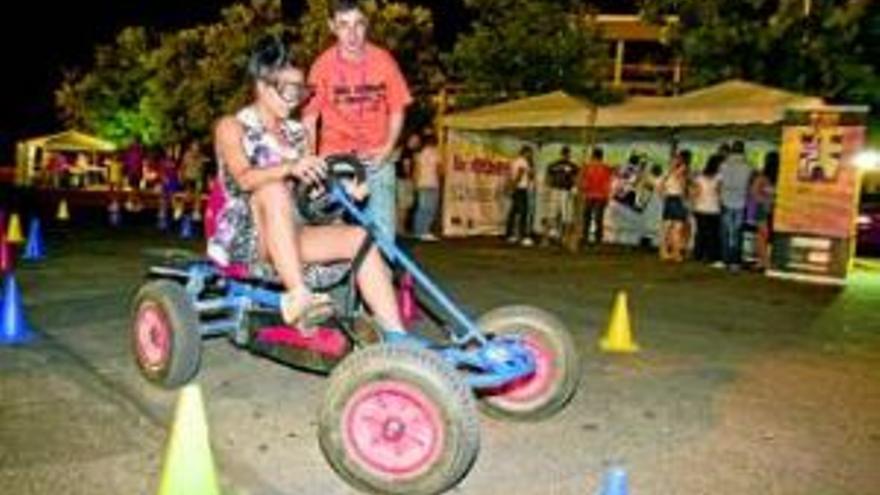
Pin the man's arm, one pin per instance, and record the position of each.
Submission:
(310, 122)
(395, 127)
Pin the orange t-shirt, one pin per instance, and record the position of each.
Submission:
(596, 181)
(355, 99)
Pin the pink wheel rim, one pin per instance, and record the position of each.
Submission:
(153, 336)
(393, 430)
(529, 388)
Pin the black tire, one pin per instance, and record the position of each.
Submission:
(166, 304)
(390, 375)
(556, 387)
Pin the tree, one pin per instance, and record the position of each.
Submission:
(521, 47)
(826, 47)
(198, 73)
(110, 99)
(170, 87)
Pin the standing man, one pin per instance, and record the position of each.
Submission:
(360, 98)
(595, 185)
(735, 177)
(560, 179)
(522, 181)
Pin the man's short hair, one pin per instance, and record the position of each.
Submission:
(738, 147)
(566, 150)
(340, 6)
(598, 154)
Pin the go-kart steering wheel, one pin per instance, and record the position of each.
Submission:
(314, 201)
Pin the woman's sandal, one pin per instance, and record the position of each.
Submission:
(305, 309)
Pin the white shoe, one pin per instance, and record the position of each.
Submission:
(429, 238)
(528, 242)
(512, 240)
(718, 264)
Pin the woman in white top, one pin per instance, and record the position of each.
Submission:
(707, 210)
(674, 188)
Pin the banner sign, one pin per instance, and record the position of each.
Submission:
(817, 194)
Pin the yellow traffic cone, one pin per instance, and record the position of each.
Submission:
(13, 233)
(189, 465)
(618, 336)
(63, 213)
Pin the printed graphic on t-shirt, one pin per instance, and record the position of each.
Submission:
(370, 97)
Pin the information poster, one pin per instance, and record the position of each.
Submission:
(817, 194)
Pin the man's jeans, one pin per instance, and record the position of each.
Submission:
(426, 210)
(731, 235)
(381, 205)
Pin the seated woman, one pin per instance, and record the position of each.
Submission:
(261, 153)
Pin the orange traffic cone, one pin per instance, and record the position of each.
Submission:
(618, 336)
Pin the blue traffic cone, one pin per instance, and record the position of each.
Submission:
(186, 227)
(114, 213)
(162, 216)
(34, 249)
(14, 328)
(614, 482)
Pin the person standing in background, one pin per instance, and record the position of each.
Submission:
(404, 168)
(561, 176)
(763, 191)
(595, 186)
(426, 179)
(707, 211)
(522, 181)
(735, 178)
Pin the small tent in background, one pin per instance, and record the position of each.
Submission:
(31, 153)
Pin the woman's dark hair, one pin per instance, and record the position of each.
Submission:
(429, 140)
(685, 156)
(713, 165)
(771, 166)
(269, 56)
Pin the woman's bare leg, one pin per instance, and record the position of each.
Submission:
(341, 242)
(272, 208)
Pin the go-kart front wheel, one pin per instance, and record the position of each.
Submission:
(164, 334)
(399, 420)
(557, 366)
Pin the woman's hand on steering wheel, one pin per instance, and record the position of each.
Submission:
(310, 169)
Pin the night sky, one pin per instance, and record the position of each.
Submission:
(54, 40)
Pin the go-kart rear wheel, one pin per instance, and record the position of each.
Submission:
(557, 372)
(164, 334)
(397, 419)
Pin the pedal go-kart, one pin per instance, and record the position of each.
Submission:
(398, 417)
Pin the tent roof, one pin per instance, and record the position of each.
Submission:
(730, 103)
(557, 109)
(71, 141)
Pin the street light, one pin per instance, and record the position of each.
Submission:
(867, 159)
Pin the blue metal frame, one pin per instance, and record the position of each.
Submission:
(489, 363)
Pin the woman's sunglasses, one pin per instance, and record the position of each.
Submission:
(290, 92)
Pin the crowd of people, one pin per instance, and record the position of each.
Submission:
(136, 168)
(704, 214)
